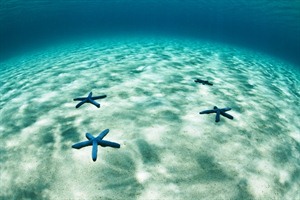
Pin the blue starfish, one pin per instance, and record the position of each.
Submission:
(89, 99)
(95, 141)
(197, 80)
(218, 111)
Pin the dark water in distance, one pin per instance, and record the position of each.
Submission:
(269, 26)
(54, 51)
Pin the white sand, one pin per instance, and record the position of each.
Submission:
(168, 150)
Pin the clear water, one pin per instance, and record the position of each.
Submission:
(147, 70)
(268, 26)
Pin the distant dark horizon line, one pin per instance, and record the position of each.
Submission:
(10, 51)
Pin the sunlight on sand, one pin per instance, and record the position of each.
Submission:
(168, 150)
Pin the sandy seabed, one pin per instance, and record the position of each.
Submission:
(168, 150)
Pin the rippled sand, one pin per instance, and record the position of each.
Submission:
(168, 150)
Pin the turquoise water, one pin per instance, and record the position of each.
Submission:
(168, 150)
(145, 56)
(263, 25)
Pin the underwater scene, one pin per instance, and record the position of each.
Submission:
(150, 100)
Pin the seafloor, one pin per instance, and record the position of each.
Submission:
(168, 150)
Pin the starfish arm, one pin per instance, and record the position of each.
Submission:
(207, 111)
(80, 103)
(226, 115)
(89, 136)
(225, 109)
(79, 99)
(90, 95)
(99, 97)
(82, 144)
(94, 103)
(218, 116)
(105, 143)
(95, 150)
(102, 134)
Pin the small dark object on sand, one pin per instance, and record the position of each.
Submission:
(89, 99)
(218, 111)
(197, 80)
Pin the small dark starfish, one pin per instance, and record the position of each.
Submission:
(89, 99)
(218, 111)
(197, 80)
(95, 141)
